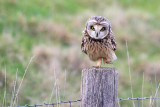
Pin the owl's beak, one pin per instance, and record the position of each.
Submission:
(97, 35)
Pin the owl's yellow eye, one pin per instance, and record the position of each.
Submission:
(92, 28)
(103, 28)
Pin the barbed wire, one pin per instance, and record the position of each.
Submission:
(138, 100)
(52, 104)
(74, 101)
(121, 99)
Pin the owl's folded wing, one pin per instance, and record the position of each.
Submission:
(113, 42)
(82, 45)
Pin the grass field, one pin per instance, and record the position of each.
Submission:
(51, 31)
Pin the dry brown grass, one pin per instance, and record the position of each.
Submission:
(150, 69)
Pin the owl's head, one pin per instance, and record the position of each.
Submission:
(98, 27)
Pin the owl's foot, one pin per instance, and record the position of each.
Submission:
(108, 62)
(98, 63)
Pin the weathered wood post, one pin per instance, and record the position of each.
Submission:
(99, 87)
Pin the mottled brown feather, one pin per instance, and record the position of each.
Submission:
(103, 48)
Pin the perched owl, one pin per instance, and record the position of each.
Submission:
(98, 41)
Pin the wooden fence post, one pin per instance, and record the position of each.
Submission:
(99, 87)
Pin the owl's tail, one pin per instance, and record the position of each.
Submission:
(111, 57)
(114, 57)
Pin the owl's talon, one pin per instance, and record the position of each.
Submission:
(108, 62)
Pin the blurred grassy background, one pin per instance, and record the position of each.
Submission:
(51, 31)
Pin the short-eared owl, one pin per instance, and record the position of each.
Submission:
(98, 41)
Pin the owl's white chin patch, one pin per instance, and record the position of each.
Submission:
(97, 37)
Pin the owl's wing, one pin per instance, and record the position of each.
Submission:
(113, 42)
(83, 45)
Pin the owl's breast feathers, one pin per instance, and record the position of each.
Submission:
(102, 48)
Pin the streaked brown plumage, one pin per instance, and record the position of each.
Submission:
(102, 48)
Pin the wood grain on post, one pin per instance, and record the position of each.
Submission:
(99, 87)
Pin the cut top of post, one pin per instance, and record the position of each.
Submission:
(99, 87)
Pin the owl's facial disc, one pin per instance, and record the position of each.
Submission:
(97, 31)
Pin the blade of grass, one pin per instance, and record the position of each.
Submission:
(128, 57)
(65, 85)
(14, 89)
(142, 88)
(151, 94)
(157, 89)
(64, 92)
(55, 83)
(156, 100)
(150, 101)
(59, 99)
(118, 102)
(16, 95)
(4, 98)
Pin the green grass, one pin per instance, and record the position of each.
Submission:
(28, 25)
